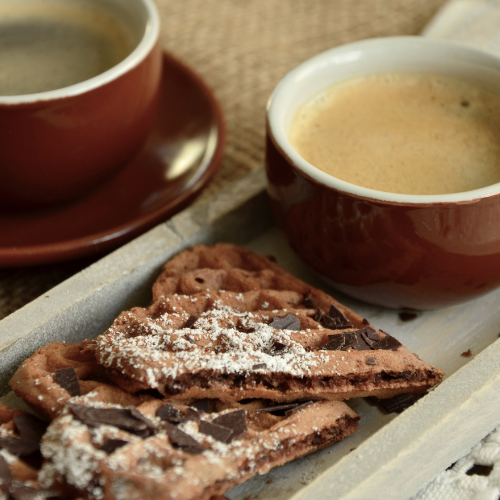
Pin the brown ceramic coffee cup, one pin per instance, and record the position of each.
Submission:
(57, 144)
(395, 250)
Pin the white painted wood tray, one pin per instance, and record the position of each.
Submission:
(391, 456)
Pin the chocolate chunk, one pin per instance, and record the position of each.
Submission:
(276, 349)
(117, 417)
(407, 316)
(204, 405)
(371, 361)
(308, 302)
(168, 412)
(336, 343)
(139, 416)
(334, 320)
(68, 380)
(388, 343)
(467, 354)
(259, 366)
(190, 339)
(18, 447)
(235, 420)
(480, 470)
(365, 321)
(216, 431)
(180, 438)
(361, 343)
(370, 335)
(190, 414)
(350, 340)
(5, 474)
(191, 321)
(111, 445)
(30, 427)
(289, 322)
(398, 403)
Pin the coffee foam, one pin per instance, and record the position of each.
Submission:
(403, 133)
(49, 45)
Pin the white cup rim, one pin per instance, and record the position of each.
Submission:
(141, 51)
(280, 98)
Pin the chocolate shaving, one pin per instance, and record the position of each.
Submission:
(289, 322)
(190, 339)
(336, 343)
(259, 366)
(467, 354)
(192, 450)
(235, 420)
(111, 445)
(205, 405)
(398, 403)
(407, 316)
(190, 414)
(68, 380)
(139, 416)
(277, 408)
(117, 417)
(18, 447)
(30, 427)
(308, 302)
(191, 321)
(365, 321)
(371, 361)
(361, 340)
(180, 438)
(276, 349)
(334, 320)
(298, 408)
(388, 343)
(5, 474)
(168, 412)
(216, 431)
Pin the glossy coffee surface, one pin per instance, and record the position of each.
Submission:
(409, 133)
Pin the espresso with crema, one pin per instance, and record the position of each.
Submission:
(403, 133)
(52, 44)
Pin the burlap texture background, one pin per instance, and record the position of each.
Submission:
(243, 48)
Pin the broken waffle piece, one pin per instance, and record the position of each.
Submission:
(59, 371)
(283, 343)
(189, 454)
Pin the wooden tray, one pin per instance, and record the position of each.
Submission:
(391, 456)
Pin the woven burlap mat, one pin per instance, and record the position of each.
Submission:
(243, 48)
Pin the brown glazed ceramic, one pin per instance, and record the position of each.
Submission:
(181, 154)
(56, 145)
(400, 251)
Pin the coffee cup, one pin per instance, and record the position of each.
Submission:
(79, 88)
(399, 250)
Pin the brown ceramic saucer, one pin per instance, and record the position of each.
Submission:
(181, 155)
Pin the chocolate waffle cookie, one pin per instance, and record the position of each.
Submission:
(233, 325)
(169, 450)
(59, 371)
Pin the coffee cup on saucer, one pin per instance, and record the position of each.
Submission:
(79, 88)
(417, 237)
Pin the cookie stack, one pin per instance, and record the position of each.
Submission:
(236, 367)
